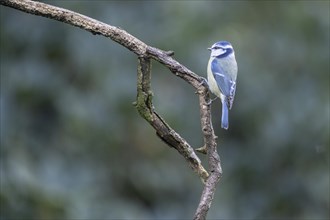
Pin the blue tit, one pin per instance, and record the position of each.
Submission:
(221, 76)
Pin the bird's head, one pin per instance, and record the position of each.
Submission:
(221, 49)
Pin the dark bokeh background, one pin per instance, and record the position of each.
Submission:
(74, 147)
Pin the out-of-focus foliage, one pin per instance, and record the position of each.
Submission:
(73, 145)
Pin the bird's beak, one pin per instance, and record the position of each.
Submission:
(209, 48)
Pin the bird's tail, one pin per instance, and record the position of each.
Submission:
(224, 117)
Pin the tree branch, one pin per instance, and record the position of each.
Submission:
(89, 24)
(144, 95)
(164, 131)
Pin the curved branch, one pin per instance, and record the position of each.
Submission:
(144, 96)
(89, 24)
(164, 131)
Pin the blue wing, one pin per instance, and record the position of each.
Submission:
(226, 85)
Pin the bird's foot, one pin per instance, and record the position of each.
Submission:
(210, 102)
(204, 82)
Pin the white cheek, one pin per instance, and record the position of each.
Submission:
(217, 52)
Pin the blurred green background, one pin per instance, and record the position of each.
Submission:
(74, 147)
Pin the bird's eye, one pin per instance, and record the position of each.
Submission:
(217, 48)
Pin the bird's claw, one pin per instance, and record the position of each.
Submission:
(210, 102)
(204, 82)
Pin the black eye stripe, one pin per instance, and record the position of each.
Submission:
(216, 48)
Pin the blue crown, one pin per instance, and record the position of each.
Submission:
(222, 43)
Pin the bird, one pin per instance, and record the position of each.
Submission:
(221, 76)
